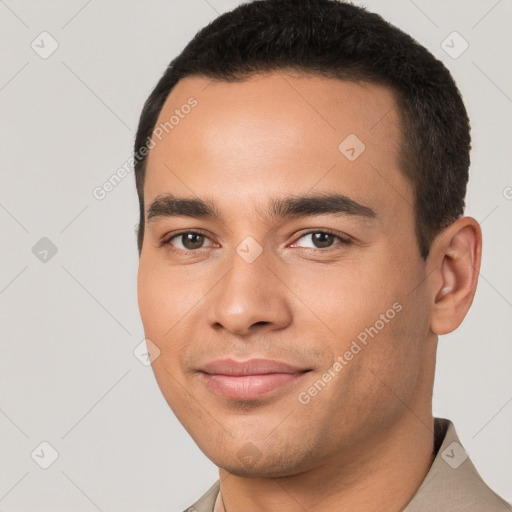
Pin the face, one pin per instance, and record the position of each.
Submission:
(286, 300)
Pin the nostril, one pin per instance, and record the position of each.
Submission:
(262, 322)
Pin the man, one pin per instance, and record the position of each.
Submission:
(301, 171)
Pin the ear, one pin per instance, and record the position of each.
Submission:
(455, 256)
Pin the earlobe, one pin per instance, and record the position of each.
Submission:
(457, 260)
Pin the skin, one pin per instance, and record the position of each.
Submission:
(365, 441)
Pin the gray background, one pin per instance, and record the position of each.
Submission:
(70, 323)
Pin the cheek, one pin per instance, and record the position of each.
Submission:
(149, 292)
(167, 302)
(396, 335)
(377, 319)
(347, 299)
(157, 305)
(163, 297)
(160, 308)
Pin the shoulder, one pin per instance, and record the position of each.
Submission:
(453, 483)
(207, 501)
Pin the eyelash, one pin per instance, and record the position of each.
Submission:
(345, 240)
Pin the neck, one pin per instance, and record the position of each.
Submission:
(383, 477)
(384, 474)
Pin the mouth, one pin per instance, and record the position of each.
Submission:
(251, 379)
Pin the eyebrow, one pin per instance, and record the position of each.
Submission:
(169, 205)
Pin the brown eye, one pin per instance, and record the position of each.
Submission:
(192, 240)
(322, 240)
(187, 241)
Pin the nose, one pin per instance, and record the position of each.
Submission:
(249, 297)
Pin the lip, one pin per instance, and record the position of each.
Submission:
(250, 379)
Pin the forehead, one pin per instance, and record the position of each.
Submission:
(277, 133)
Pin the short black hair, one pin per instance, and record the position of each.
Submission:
(339, 40)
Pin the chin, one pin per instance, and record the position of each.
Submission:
(256, 471)
(248, 461)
